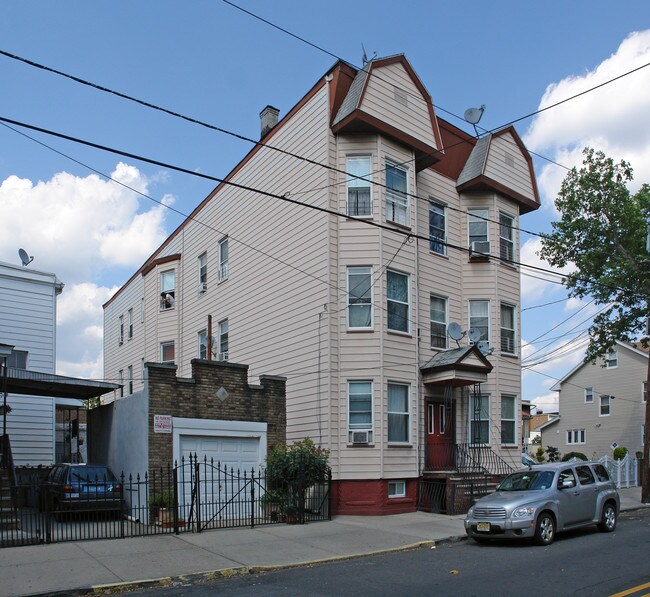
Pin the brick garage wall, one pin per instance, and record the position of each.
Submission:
(196, 398)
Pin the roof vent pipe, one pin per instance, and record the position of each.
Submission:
(268, 119)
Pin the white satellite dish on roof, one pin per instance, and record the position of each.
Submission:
(454, 331)
(474, 334)
(24, 257)
(473, 115)
(484, 347)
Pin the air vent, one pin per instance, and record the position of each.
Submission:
(360, 437)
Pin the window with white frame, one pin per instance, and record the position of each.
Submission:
(203, 272)
(396, 489)
(479, 318)
(508, 420)
(129, 378)
(17, 359)
(431, 412)
(575, 436)
(508, 335)
(120, 332)
(506, 237)
(224, 270)
(589, 395)
(360, 298)
(611, 359)
(442, 419)
(129, 324)
(398, 412)
(477, 225)
(437, 228)
(605, 404)
(223, 340)
(479, 415)
(120, 381)
(167, 289)
(438, 322)
(203, 344)
(398, 301)
(359, 405)
(167, 352)
(396, 194)
(359, 197)
(644, 391)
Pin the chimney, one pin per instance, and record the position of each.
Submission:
(268, 119)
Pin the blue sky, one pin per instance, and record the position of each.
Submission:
(212, 62)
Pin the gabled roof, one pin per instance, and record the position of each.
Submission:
(631, 347)
(474, 178)
(459, 366)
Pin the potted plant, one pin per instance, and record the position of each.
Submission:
(272, 503)
(161, 510)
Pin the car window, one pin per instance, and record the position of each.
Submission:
(526, 481)
(565, 475)
(601, 473)
(90, 474)
(585, 475)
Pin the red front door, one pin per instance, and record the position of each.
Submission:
(439, 432)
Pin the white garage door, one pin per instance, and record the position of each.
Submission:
(239, 453)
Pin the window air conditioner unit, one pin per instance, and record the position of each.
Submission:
(360, 437)
(223, 356)
(479, 249)
(203, 286)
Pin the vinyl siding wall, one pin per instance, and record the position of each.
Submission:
(506, 164)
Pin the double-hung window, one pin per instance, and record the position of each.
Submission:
(129, 378)
(167, 289)
(396, 194)
(360, 405)
(478, 226)
(398, 301)
(506, 238)
(589, 395)
(121, 330)
(203, 344)
(398, 412)
(438, 322)
(360, 298)
(223, 340)
(437, 228)
(167, 352)
(223, 259)
(359, 198)
(203, 272)
(479, 318)
(479, 415)
(605, 405)
(508, 420)
(611, 359)
(129, 323)
(508, 329)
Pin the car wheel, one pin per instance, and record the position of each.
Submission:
(608, 519)
(545, 529)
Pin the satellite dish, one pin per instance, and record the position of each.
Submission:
(454, 331)
(484, 347)
(473, 115)
(474, 334)
(24, 257)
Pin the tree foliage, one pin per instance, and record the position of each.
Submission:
(601, 237)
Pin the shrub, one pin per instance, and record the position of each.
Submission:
(570, 455)
(539, 455)
(553, 454)
(620, 453)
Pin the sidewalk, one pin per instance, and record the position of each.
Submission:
(81, 565)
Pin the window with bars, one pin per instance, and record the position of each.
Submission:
(359, 193)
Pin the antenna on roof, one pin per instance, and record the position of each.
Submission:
(24, 257)
(364, 56)
(473, 116)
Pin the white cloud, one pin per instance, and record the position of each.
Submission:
(612, 118)
(547, 403)
(79, 227)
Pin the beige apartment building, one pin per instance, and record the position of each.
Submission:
(408, 225)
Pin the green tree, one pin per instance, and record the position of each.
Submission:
(602, 236)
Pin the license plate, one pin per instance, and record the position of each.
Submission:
(483, 527)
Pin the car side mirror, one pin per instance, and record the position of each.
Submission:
(568, 483)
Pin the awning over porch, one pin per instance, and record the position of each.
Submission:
(459, 367)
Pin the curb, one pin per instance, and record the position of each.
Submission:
(169, 581)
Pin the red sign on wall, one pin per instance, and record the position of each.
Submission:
(162, 423)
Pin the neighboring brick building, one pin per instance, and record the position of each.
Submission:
(216, 413)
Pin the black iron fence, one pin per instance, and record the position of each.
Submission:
(466, 458)
(191, 496)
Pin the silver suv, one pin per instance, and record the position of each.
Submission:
(538, 502)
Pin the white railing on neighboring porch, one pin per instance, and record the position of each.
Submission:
(624, 472)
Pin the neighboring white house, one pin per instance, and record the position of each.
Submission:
(355, 316)
(602, 405)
